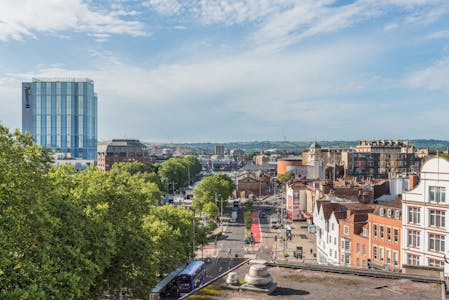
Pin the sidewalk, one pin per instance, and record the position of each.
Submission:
(300, 238)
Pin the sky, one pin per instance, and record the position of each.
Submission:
(238, 70)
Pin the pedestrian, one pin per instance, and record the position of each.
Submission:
(230, 251)
(311, 251)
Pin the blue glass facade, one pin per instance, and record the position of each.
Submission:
(61, 115)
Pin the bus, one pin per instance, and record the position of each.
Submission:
(193, 276)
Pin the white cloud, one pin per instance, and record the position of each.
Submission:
(391, 26)
(164, 7)
(19, 19)
(433, 78)
(443, 34)
(233, 95)
(283, 22)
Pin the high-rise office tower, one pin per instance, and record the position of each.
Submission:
(61, 114)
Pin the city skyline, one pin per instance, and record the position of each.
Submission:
(221, 71)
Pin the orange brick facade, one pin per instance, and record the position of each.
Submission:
(370, 237)
(385, 227)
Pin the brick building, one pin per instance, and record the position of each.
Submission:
(385, 226)
(122, 150)
(379, 159)
(252, 184)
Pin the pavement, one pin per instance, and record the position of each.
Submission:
(275, 246)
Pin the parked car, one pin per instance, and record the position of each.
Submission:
(263, 215)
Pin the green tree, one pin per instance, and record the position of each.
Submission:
(130, 200)
(170, 229)
(211, 209)
(138, 168)
(173, 173)
(216, 187)
(193, 166)
(26, 226)
(287, 177)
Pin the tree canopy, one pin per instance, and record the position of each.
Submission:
(70, 235)
(216, 187)
(176, 172)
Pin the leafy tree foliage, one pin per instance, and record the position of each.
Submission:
(211, 209)
(69, 235)
(175, 172)
(217, 186)
(287, 177)
(193, 165)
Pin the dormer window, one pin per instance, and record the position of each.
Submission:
(389, 213)
(396, 214)
(381, 211)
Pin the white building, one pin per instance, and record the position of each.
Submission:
(424, 225)
(326, 216)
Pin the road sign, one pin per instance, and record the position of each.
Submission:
(311, 229)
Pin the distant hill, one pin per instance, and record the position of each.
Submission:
(295, 146)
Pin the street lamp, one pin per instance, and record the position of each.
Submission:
(221, 210)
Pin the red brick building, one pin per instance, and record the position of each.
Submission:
(121, 150)
(385, 226)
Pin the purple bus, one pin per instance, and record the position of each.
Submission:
(193, 276)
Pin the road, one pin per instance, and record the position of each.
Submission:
(228, 250)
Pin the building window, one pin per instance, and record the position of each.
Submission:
(357, 248)
(396, 214)
(437, 194)
(375, 230)
(412, 259)
(389, 213)
(395, 235)
(388, 234)
(381, 232)
(332, 226)
(414, 215)
(436, 242)
(345, 244)
(381, 211)
(388, 252)
(381, 253)
(437, 218)
(346, 229)
(345, 258)
(358, 262)
(395, 258)
(363, 250)
(374, 252)
(365, 232)
(436, 263)
(413, 239)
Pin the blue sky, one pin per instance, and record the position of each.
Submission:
(238, 70)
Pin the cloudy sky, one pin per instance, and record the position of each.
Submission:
(238, 70)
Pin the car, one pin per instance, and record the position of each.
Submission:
(263, 214)
(248, 240)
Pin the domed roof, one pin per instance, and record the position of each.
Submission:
(315, 145)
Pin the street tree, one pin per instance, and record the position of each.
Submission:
(193, 166)
(211, 209)
(173, 172)
(217, 187)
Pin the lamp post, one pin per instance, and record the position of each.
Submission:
(221, 210)
(193, 236)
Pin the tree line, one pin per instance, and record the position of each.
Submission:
(70, 235)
